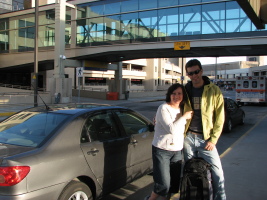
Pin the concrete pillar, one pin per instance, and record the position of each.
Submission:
(73, 28)
(118, 80)
(60, 19)
(61, 84)
(151, 74)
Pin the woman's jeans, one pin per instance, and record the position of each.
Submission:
(194, 147)
(162, 159)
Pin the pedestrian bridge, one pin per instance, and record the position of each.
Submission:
(112, 31)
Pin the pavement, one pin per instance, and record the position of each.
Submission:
(243, 162)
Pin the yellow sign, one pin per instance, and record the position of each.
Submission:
(182, 45)
(34, 77)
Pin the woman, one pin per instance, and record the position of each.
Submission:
(168, 139)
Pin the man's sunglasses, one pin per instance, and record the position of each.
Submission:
(194, 72)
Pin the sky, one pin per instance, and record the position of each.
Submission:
(212, 60)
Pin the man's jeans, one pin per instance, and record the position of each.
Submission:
(194, 147)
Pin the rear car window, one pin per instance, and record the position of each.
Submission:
(29, 128)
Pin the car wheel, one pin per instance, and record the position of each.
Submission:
(228, 126)
(242, 119)
(76, 190)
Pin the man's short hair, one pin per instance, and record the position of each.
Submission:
(193, 62)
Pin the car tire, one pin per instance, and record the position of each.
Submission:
(228, 126)
(242, 119)
(76, 190)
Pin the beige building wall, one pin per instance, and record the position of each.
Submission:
(154, 73)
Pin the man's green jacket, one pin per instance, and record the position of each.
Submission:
(212, 110)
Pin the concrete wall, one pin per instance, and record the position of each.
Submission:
(23, 97)
(89, 94)
(19, 96)
(103, 95)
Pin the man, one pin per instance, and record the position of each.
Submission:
(204, 129)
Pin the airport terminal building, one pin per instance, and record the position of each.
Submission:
(121, 45)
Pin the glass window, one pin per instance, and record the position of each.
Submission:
(256, 73)
(148, 24)
(168, 22)
(4, 35)
(252, 59)
(47, 17)
(129, 26)
(26, 32)
(147, 4)
(4, 25)
(189, 20)
(231, 105)
(254, 84)
(245, 84)
(83, 31)
(183, 2)
(129, 5)
(4, 44)
(91, 9)
(112, 31)
(99, 127)
(47, 35)
(112, 7)
(67, 32)
(132, 124)
(29, 128)
(166, 3)
(207, 0)
(213, 18)
(97, 29)
(81, 12)
(236, 19)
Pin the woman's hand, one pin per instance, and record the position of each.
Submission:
(188, 115)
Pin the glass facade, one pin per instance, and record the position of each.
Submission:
(119, 21)
(110, 22)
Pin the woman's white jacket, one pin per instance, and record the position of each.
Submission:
(169, 128)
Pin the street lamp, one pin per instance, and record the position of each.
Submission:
(35, 76)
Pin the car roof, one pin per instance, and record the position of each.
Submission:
(72, 108)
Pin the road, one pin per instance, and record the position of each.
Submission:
(138, 189)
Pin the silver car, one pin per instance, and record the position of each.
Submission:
(72, 151)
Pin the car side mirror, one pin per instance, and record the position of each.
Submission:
(239, 104)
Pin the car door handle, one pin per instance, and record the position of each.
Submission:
(134, 142)
(93, 152)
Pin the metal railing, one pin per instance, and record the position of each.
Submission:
(23, 87)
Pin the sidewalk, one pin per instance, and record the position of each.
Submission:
(244, 165)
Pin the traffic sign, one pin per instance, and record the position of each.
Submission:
(79, 71)
(182, 45)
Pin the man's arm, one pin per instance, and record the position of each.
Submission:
(219, 117)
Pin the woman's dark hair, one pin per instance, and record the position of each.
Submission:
(192, 63)
(172, 88)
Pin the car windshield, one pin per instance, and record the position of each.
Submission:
(29, 128)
